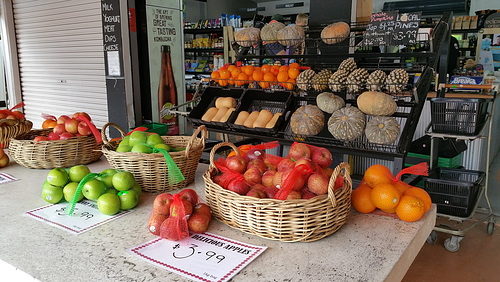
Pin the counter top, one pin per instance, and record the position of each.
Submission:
(369, 247)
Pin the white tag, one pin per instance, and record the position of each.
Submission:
(4, 178)
(85, 216)
(202, 257)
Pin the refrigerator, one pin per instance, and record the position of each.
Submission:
(159, 22)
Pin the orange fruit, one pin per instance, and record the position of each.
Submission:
(48, 123)
(265, 68)
(401, 186)
(223, 82)
(377, 174)
(410, 209)
(269, 77)
(289, 84)
(275, 69)
(249, 70)
(264, 84)
(235, 72)
(257, 75)
(230, 68)
(421, 194)
(224, 74)
(283, 68)
(294, 65)
(242, 79)
(230, 81)
(282, 76)
(293, 72)
(360, 199)
(215, 75)
(392, 210)
(385, 196)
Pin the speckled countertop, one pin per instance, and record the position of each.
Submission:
(367, 248)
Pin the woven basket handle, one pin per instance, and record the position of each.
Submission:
(347, 178)
(103, 131)
(204, 135)
(216, 147)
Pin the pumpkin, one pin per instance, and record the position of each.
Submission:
(269, 32)
(335, 33)
(291, 35)
(347, 123)
(329, 102)
(307, 120)
(376, 103)
(247, 37)
(382, 130)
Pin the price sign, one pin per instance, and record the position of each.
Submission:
(4, 178)
(86, 216)
(203, 257)
(406, 28)
(379, 30)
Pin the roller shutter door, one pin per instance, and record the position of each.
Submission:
(61, 61)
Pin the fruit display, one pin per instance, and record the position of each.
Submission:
(335, 33)
(304, 79)
(382, 130)
(357, 80)
(173, 216)
(337, 81)
(329, 102)
(65, 127)
(143, 142)
(347, 123)
(376, 80)
(376, 103)
(348, 65)
(307, 120)
(247, 37)
(113, 190)
(319, 81)
(255, 119)
(303, 174)
(380, 189)
(224, 106)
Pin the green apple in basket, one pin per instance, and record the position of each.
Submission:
(141, 148)
(51, 193)
(137, 137)
(58, 177)
(154, 139)
(163, 146)
(123, 148)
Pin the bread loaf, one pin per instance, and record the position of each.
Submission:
(263, 118)
(242, 116)
(251, 119)
(209, 114)
(273, 121)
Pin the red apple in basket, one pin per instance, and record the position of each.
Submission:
(162, 202)
(322, 156)
(267, 178)
(239, 187)
(62, 119)
(155, 221)
(256, 193)
(190, 195)
(318, 184)
(84, 114)
(66, 135)
(258, 187)
(84, 129)
(285, 164)
(53, 136)
(299, 151)
(257, 163)
(298, 184)
(71, 125)
(308, 195)
(253, 176)
(271, 192)
(41, 138)
(339, 181)
(306, 162)
(294, 195)
(236, 163)
(59, 129)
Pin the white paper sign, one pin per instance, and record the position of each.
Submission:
(206, 257)
(4, 178)
(85, 216)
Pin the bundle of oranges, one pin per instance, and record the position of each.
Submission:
(265, 76)
(380, 189)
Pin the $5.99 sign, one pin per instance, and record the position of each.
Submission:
(85, 216)
(204, 257)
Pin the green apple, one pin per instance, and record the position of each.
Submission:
(154, 139)
(69, 191)
(137, 137)
(107, 176)
(128, 199)
(51, 193)
(123, 180)
(108, 204)
(111, 190)
(93, 188)
(124, 148)
(78, 172)
(141, 148)
(124, 140)
(137, 188)
(163, 146)
(58, 177)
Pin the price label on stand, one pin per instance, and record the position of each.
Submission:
(5, 178)
(201, 257)
(86, 216)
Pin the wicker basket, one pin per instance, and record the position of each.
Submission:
(55, 153)
(9, 131)
(150, 170)
(288, 220)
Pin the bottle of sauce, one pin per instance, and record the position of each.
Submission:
(167, 91)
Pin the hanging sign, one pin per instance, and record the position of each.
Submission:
(86, 216)
(201, 257)
(380, 28)
(290, 5)
(406, 28)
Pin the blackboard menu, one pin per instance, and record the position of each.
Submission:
(390, 28)
(112, 38)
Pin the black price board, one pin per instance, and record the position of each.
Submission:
(380, 29)
(406, 28)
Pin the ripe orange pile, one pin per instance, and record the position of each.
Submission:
(379, 190)
(266, 76)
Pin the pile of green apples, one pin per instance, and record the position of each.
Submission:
(114, 190)
(142, 142)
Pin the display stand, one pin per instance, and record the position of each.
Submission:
(460, 212)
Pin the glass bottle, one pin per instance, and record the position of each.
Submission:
(167, 91)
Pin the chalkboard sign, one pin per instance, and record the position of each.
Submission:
(380, 29)
(406, 28)
(112, 38)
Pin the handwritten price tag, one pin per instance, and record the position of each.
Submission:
(206, 257)
(85, 217)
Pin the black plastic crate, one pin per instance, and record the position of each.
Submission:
(454, 191)
(258, 99)
(208, 97)
(458, 116)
